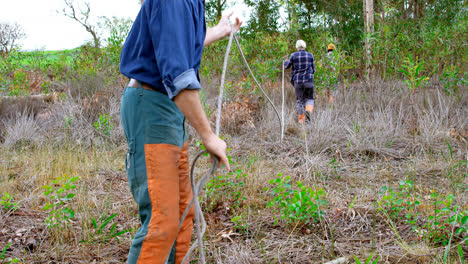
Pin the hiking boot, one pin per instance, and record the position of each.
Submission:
(301, 119)
(308, 117)
(308, 113)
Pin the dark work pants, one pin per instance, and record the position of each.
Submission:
(304, 96)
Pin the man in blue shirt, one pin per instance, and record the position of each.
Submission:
(161, 57)
(302, 78)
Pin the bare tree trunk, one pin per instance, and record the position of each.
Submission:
(368, 29)
(220, 5)
(81, 17)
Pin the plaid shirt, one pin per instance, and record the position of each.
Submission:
(303, 67)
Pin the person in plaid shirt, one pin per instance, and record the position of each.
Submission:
(302, 78)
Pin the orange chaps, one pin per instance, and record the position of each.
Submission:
(170, 193)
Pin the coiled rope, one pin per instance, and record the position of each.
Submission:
(200, 223)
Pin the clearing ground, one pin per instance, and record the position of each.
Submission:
(382, 176)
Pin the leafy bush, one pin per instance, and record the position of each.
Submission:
(59, 194)
(104, 124)
(445, 217)
(437, 226)
(452, 81)
(394, 203)
(227, 188)
(103, 232)
(7, 203)
(296, 204)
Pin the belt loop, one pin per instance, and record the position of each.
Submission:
(140, 88)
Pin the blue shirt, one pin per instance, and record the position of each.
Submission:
(164, 46)
(303, 67)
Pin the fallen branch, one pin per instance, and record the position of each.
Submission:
(52, 97)
(338, 261)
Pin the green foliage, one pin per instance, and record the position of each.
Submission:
(437, 227)
(20, 83)
(452, 81)
(59, 195)
(3, 257)
(413, 73)
(226, 188)
(104, 230)
(296, 204)
(396, 202)
(240, 222)
(445, 215)
(460, 253)
(117, 30)
(265, 16)
(67, 121)
(368, 260)
(104, 124)
(7, 203)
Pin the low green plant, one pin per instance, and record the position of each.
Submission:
(104, 124)
(368, 260)
(240, 222)
(460, 253)
(104, 230)
(59, 194)
(67, 121)
(296, 204)
(437, 228)
(445, 215)
(456, 167)
(403, 200)
(20, 83)
(413, 73)
(7, 203)
(3, 258)
(336, 168)
(452, 81)
(226, 187)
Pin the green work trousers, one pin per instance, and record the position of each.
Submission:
(158, 175)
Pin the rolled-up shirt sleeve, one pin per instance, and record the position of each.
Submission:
(174, 28)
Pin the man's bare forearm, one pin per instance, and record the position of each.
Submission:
(213, 34)
(188, 101)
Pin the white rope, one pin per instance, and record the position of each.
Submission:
(221, 86)
(282, 102)
(200, 223)
(255, 79)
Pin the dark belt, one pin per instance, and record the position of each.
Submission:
(135, 84)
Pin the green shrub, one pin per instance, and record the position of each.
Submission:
(59, 194)
(296, 204)
(7, 203)
(104, 124)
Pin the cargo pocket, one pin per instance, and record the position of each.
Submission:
(130, 163)
(162, 134)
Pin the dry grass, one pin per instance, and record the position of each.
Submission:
(351, 149)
